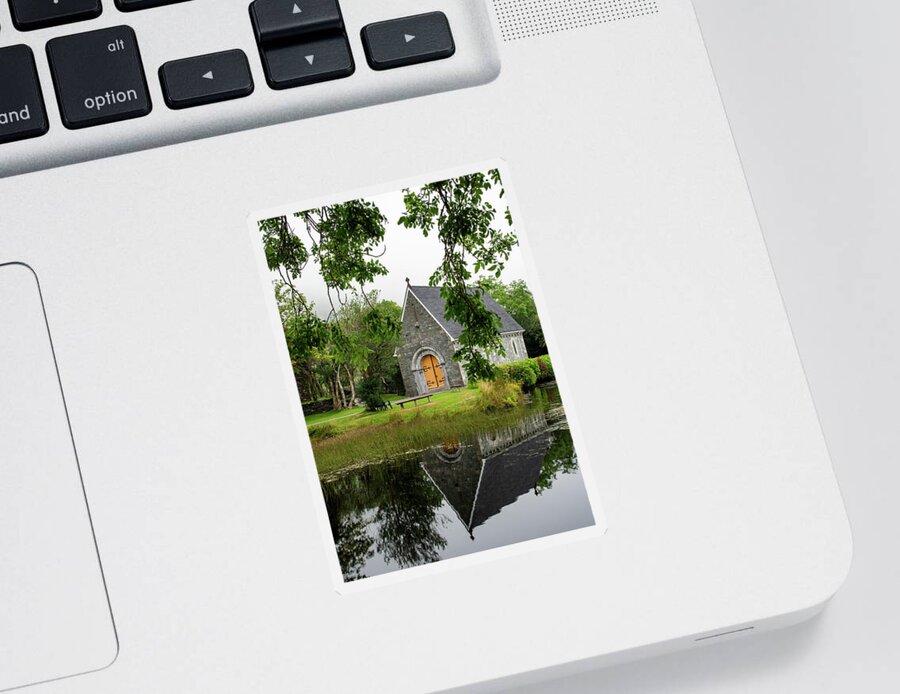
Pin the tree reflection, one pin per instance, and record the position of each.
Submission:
(560, 459)
(353, 543)
(408, 520)
(390, 509)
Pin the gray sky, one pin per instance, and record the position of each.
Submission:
(409, 254)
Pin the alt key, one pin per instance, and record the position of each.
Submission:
(99, 77)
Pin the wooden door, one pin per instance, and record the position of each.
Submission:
(434, 374)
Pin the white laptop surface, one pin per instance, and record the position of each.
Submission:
(272, 495)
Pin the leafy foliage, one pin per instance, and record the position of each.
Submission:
(545, 368)
(528, 372)
(371, 392)
(523, 372)
(518, 300)
(323, 431)
(357, 334)
(344, 240)
(466, 224)
(374, 324)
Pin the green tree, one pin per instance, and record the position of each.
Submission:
(517, 298)
(345, 242)
(304, 332)
(467, 226)
(372, 322)
(358, 335)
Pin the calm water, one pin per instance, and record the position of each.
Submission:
(462, 496)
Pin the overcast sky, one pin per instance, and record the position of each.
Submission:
(409, 254)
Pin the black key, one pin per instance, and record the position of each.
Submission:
(131, 5)
(296, 64)
(99, 77)
(407, 41)
(22, 112)
(37, 14)
(284, 19)
(206, 79)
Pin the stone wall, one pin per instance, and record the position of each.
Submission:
(514, 345)
(421, 334)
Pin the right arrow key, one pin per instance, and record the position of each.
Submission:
(408, 40)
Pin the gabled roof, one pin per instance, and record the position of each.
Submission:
(431, 299)
(479, 488)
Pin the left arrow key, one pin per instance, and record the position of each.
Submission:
(206, 79)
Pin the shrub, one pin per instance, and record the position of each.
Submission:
(522, 372)
(545, 368)
(370, 390)
(323, 431)
(317, 406)
(499, 394)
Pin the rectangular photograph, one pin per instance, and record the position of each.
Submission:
(428, 391)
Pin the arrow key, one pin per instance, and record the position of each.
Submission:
(408, 40)
(298, 64)
(275, 20)
(206, 79)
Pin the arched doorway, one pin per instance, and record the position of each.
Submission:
(434, 374)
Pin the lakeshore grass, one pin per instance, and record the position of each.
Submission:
(399, 433)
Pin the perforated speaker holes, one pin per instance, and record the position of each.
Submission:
(522, 19)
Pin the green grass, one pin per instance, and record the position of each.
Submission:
(322, 417)
(446, 403)
(451, 416)
(352, 438)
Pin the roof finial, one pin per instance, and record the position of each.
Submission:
(407, 281)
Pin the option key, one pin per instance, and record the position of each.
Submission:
(99, 77)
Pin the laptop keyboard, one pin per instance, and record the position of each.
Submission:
(103, 76)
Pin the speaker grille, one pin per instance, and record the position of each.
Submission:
(522, 19)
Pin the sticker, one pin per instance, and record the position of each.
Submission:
(429, 395)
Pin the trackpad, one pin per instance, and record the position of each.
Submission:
(55, 619)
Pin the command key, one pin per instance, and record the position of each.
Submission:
(22, 111)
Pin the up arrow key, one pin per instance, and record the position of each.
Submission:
(408, 37)
(286, 21)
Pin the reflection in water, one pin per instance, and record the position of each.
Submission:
(460, 496)
(480, 478)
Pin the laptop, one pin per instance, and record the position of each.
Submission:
(352, 346)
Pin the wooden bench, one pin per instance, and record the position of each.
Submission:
(414, 400)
